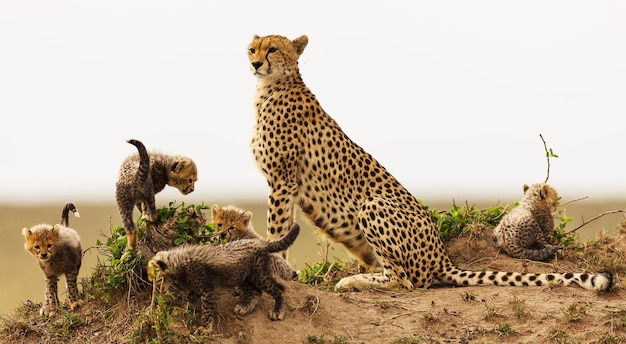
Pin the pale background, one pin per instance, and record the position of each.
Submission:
(450, 96)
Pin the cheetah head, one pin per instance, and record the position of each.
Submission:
(275, 57)
(230, 222)
(41, 240)
(183, 175)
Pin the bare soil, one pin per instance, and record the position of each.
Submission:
(440, 314)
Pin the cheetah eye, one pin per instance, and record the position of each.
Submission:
(49, 245)
(36, 247)
(252, 51)
(272, 50)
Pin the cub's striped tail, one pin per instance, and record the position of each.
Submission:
(144, 160)
(286, 241)
(65, 214)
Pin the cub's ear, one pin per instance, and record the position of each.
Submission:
(525, 187)
(162, 265)
(181, 164)
(543, 193)
(26, 232)
(214, 209)
(55, 229)
(300, 43)
(246, 217)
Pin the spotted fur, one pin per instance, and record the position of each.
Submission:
(143, 175)
(233, 224)
(58, 252)
(195, 270)
(527, 231)
(309, 162)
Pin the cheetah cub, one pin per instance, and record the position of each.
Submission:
(58, 252)
(194, 271)
(233, 224)
(527, 231)
(143, 175)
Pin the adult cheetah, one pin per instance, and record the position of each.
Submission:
(310, 162)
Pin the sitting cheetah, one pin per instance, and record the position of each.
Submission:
(194, 271)
(527, 231)
(308, 161)
(233, 224)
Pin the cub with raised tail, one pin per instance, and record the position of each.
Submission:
(143, 175)
(58, 252)
(233, 224)
(195, 270)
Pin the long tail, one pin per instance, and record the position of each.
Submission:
(65, 214)
(144, 160)
(286, 241)
(598, 282)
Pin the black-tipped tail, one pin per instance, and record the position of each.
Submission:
(65, 214)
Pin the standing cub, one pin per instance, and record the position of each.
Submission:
(195, 270)
(233, 224)
(527, 231)
(57, 249)
(144, 174)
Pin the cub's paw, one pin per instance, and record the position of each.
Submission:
(277, 315)
(48, 311)
(76, 304)
(242, 309)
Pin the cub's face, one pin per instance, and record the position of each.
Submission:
(273, 57)
(41, 240)
(183, 176)
(231, 223)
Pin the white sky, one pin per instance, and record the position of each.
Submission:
(450, 96)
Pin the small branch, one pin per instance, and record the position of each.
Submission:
(595, 218)
(574, 200)
(547, 157)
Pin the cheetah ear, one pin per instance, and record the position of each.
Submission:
(162, 265)
(181, 164)
(55, 229)
(300, 43)
(214, 209)
(26, 232)
(543, 193)
(255, 36)
(525, 187)
(246, 216)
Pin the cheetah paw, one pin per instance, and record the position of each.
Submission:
(277, 315)
(76, 304)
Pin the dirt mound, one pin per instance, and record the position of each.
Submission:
(440, 314)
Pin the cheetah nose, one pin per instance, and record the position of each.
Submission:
(257, 64)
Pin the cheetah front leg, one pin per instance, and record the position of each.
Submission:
(51, 303)
(280, 211)
(251, 296)
(72, 290)
(374, 220)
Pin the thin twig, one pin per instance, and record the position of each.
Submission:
(547, 157)
(349, 334)
(595, 218)
(574, 200)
